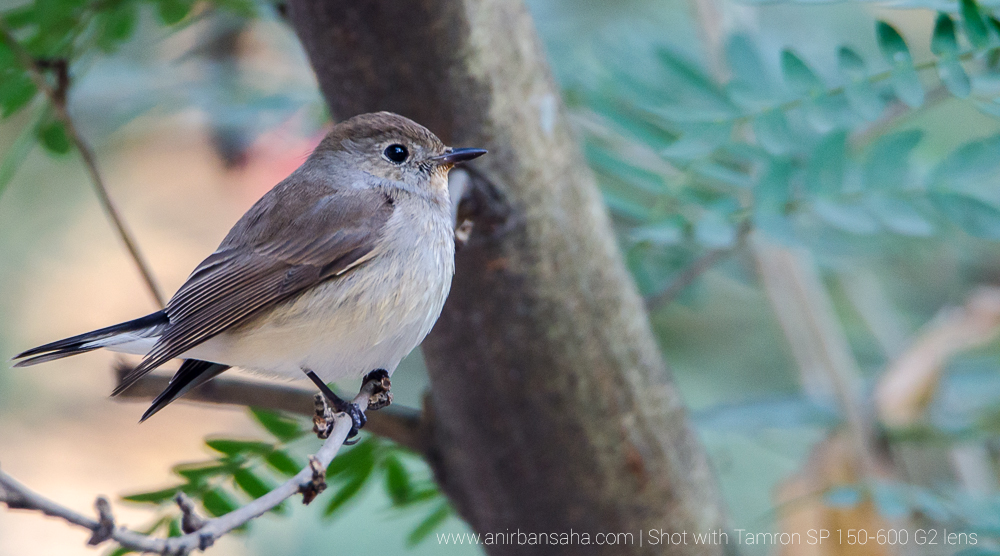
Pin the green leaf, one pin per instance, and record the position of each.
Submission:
(21, 16)
(701, 88)
(993, 23)
(747, 66)
(773, 134)
(827, 165)
(116, 25)
(249, 482)
(975, 217)
(120, 551)
(892, 44)
(283, 428)
(605, 162)
(54, 138)
(174, 529)
(283, 463)
(772, 191)
(632, 122)
(423, 494)
(864, 100)
(975, 27)
(954, 77)
(944, 41)
(697, 141)
(887, 165)
(826, 113)
(846, 216)
(752, 84)
(16, 91)
(217, 502)
(397, 480)
(355, 460)
(945, 45)
(197, 472)
(173, 11)
(428, 525)
(976, 163)
(348, 490)
(899, 216)
(851, 64)
(798, 76)
(725, 175)
(906, 83)
(991, 108)
(354, 467)
(861, 95)
(905, 80)
(154, 497)
(244, 8)
(771, 197)
(235, 447)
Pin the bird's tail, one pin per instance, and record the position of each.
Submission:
(149, 325)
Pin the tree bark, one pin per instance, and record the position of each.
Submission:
(551, 409)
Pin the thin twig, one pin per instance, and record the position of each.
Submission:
(19, 497)
(398, 423)
(57, 97)
(701, 265)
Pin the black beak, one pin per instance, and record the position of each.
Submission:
(457, 156)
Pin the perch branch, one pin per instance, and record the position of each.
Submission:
(398, 423)
(57, 97)
(308, 481)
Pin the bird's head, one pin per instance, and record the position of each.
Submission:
(391, 147)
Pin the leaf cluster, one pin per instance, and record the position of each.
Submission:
(685, 161)
(50, 42)
(244, 470)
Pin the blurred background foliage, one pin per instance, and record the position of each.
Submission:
(807, 195)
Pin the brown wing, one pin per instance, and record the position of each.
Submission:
(282, 246)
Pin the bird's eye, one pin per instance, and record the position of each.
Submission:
(396, 153)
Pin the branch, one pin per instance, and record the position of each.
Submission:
(912, 379)
(309, 482)
(398, 423)
(57, 97)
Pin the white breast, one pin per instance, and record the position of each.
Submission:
(368, 319)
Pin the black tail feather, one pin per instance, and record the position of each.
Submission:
(192, 373)
(77, 344)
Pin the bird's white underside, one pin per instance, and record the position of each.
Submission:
(350, 325)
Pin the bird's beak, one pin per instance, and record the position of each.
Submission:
(457, 156)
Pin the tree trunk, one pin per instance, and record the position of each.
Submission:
(551, 409)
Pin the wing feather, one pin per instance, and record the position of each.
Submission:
(265, 261)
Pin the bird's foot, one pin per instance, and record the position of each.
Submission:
(380, 395)
(339, 405)
(358, 420)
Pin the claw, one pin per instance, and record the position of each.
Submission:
(358, 421)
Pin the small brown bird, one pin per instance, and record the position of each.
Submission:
(339, 271)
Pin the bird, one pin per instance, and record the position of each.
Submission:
(338, 272)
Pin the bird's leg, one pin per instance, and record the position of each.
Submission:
(358, 419)
(380, 395)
